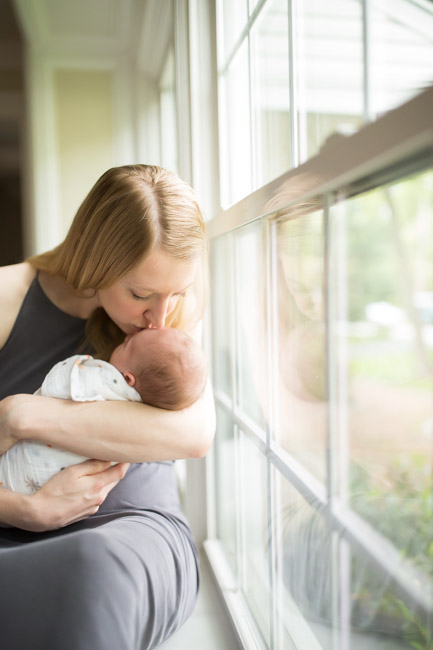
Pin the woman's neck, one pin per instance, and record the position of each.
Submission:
(75, 303)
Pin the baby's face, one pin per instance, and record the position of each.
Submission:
(128, 355)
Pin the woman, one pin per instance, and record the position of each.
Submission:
(101, 557)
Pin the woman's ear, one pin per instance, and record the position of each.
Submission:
(129, 378)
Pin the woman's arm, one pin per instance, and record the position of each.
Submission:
(115, 431)
(71, 495)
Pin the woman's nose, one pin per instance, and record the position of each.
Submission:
(158, 313)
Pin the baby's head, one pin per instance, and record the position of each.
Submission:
(166, 366)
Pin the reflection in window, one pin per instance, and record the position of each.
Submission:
(221, 310)
(348, 557)
(382, 333)
(255, 534)
(383, 338)
(329, 589)
(226, 486)
(302, 418)
(252, 361)
(305, 608)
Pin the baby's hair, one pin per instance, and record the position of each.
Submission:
(176, 379)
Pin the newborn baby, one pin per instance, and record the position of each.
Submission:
(163, 367)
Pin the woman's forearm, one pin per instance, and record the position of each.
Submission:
(115, 430)
(14, 508)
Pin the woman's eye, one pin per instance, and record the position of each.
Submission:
(134, 295)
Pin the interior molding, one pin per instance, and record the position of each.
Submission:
(54, 39)
(155, 37)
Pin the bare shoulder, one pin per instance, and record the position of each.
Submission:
(14, 283)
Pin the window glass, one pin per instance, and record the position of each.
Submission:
(252, 5)
(329, 69)
(302, 421)
(328, 591)
(255, 534)
(234, 18)
(167, 107)
(378, 617)
(236, 131)
(271, 92)
(226, 489)
(401, 51)
(306, 606)
(252, 361)
(221, 300)
(382, 349)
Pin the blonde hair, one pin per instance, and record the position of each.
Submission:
(130, 210)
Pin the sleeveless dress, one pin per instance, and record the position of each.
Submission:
(123, 579)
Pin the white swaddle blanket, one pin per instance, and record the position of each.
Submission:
(27, 465)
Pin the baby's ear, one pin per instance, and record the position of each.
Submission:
(129, 378)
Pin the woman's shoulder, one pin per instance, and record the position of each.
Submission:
(15, 281)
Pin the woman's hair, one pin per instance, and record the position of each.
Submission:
(129, 211)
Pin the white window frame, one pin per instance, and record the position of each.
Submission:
(396, 144)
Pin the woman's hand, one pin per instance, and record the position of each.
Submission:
(73, 494)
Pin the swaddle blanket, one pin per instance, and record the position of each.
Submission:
(27, 465)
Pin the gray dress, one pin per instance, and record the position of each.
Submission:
(123, 579)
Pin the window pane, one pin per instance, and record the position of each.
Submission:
(301, 340)
(234, 18)
(167, 104)
(305, 576)
(252, 359)
(221, 300)
(329, 67)
(235, 130)
(255, 534)
(252, 5)
(401, 49)
(379, 620)
(270, 92)
(226, 473)
(383, 353)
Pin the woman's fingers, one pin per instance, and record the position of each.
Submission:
(91, 467)
(74, 494)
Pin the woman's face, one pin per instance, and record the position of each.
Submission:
(146, 295)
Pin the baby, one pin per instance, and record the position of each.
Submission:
(163, 367)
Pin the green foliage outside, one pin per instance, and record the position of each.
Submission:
(401, 509)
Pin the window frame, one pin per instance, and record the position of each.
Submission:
(394, 146)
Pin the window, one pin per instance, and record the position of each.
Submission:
(323, 376)
(322, 325)
(294, 72)
(167, 111)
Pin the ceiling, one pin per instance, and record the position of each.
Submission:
(139, 30)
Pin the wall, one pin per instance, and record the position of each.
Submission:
(85, 134)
